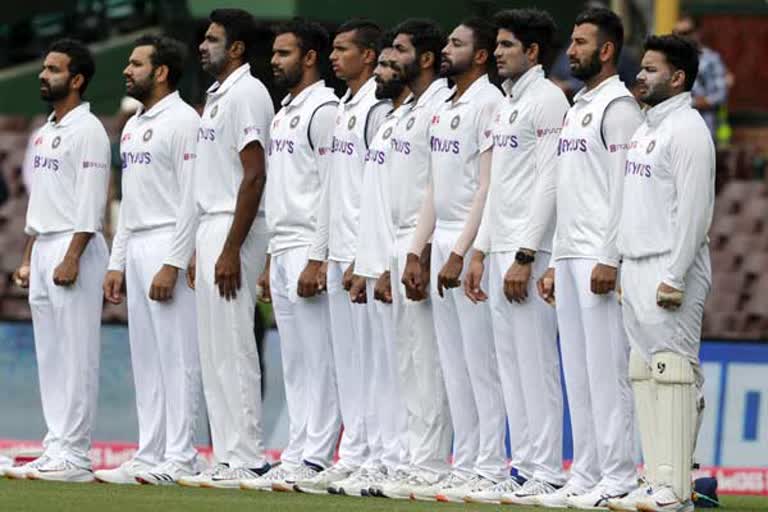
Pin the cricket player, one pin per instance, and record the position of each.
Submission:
(460, 143)
(516, 232)
(669, 196)
(152, 244)
(299, 156)
(417, 47)
(231, 247)
(385, 416)
(590, 156)
(65, 261)
(359, 116)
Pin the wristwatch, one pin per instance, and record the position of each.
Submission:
(524, 258)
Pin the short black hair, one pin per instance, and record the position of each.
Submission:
(681, 54)
(609, 27)
(80, 59)
(367, 33)
(483, 33)
(310, 35)
(426, 37)
(530, 26)
(239, 25)
(167, 52)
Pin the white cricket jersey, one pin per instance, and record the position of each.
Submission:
(590, 165)
(298, 156)
(237, 112)
(357, 120)
(69, 164)
(460, 131)
(669, 187)
(520, 208)
(157, 151)
(376, 233)
(411, 156)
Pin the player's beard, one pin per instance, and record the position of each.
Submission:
(53, 92)
(140, 89)
(451, 69)
(390, 89)
(410, 72)
(287, 78)
(586, 71)
(655, 94)
(217, 60)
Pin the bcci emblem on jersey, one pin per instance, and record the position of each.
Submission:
(214, 111)
(650, 147)
(56, 142)
(410, 123)
(587, 119)
(147, 135)
(294, 122)
(512, 117)
(351, 123)
(387, 133)
(455, 122)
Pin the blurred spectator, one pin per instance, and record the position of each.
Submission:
(710, 91)
(4, 192)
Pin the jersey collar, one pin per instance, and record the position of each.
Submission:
(71, 116)
(159, 107)
(296, 101)
(656, 115)
(350, 101)
(435, 87)
(473, 90)
(218, 89)
(587, 96)
(515, 89)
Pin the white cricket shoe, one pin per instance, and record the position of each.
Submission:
(167, 473)
(431, 491)
(5, 463)
(276, 474)
(558, 499)
(62, 471)
(529, 492)
(21, 472)
(629, 502)
(350, 486)
(320, 483)
(475, 483)
(596, 499)
(230, 478)
(204, 477)
(664, 499)
(495, 493)
(124, 474)
(394, 486)
(303, 472)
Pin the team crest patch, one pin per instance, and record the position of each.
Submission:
(512, 117)
(351, 123)
(587, 119)
(56, 142)
(294, 122)
(147, 135)
(410, 123)
(214, 111)
(455, 122)
(650, 147)
(387, 133)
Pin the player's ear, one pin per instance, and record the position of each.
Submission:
(427, 60)
(677, 79)
(237, 50)
(481, 57)
(310, 59)
(76, 82)
(532, 52)
(369, 57)
(161, 73)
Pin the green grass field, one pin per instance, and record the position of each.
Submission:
(27, 496)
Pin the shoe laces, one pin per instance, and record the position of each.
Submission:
(38, 462)
(534, 486)
(452, 481)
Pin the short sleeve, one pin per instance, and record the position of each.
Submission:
(251, 117)
(485, 118)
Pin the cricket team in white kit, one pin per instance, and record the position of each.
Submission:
(423, 240)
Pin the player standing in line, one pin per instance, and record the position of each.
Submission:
(353, 58)
(298, 158)
(65, 261)
(669, 196)
(417, 47)
(517, 229)
(385, 416)
(460, 142)
(231, 245)
(152, 243)
(595, 353)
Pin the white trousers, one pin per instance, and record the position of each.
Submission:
(596, 368)
(529, 368)
(66, 321)
(164, 354)
(349, 329)
(420, 375)
(471, 372)
(652, 329)
(229, 358)
(386, 416)
(307, 357)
